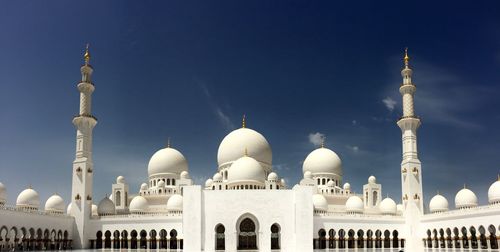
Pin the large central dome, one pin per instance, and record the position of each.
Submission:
(167, 161)
(234, 144)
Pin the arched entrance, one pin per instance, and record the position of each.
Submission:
(220, 238)
(247, 236)
(275, 236)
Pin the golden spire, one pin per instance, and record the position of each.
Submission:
(406, 58)
(243, 122)
(323, 142)
(464, 186)
(86, 56)
(168, 142)
(246, 152)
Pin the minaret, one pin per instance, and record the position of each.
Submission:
(81, 201)
(411, 172)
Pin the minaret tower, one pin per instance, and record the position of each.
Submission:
(411, 172)
(81, 201)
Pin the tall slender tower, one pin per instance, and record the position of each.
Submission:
(411, 172)
(81, 201)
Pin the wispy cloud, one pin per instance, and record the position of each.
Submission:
(353, 148)
(316, 138)
(389, 103)
(217, 110)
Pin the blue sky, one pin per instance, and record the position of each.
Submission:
(189, 70)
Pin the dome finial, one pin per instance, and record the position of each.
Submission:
(168, 142)
(498, 177)
(86, 56)
(406, 58)
(323, 142)
(243, 122)
(464, 186)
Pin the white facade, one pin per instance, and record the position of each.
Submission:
(245, 205)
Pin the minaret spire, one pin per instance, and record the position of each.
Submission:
(84, 122)
(411, 168)
(243, 122)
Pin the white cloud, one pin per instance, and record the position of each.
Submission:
(221, 116)
(354, 122)
(389, 103)
(316, 138)
(353, 148)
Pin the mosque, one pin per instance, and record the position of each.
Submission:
(246, 206)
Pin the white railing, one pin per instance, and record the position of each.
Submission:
(32, 211)
(139, 215)
(468, 210)
(357, 215)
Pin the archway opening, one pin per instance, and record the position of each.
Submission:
(163, 239)
(107, 239)
(133, 239)
(116, 239)
(493, 237)
(220, 238)
(331, 238)
(124, 239)
(98, 241)
(275, 236)
(247, 237)
(341, 238)
(143, 243)
(173, 239)
(350, 238)
(152, 239)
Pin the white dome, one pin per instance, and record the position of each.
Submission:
(106, 207)
(494, 193)
(347, 186)
(354, 205)
(283, 182)
(246, 169)
(161, 184)
(144, 186)
(138, 204)
(388, 206)
(319, 202)
(174, 203)
(217, 177)
(167, 161)
(28, 198)
(330, 183)
(3, 193)
(308, 175)
(233, 145)
(438, 203)
(372, 180)
(94, 210)
(272, 176)
(55, 204)
(184, 175)
(465, 198)
(209, 182)
(120, 180)
(323, 160)
(69, 208)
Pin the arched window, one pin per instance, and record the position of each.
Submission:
(375, 195)
(168, 181)
(323, 181)
(361, 241)
(213, 187)
(143, 243)
(350, 238)
(331, 238)
(118, 198)
(173, 239)
(124, 239)
(152, 239)
(247, 236)
(220, 238)
(107, 239)
(116, 239)
(271, 187)
(133, 239)
(154, 182)
(341, 238)
(173, 181)
(275, 236)
(493, 237)
(98, 241)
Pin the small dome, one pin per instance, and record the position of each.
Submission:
(354, 205)
(388, 206)
(372, 180)
(272, 176)
(106, 207)
(184, 175)
(209, 182)
(144, 186)
(217, 177)
(319, 202)
(330, 183)
(167, 161)
(347, 186)
(94, 210)
(321, 161)
(283, 182)
(55, 204)
(139, 204)
(174, 203)
(246, 169)
(438, 203)
(69, 208)
(308, 175)
(28, 199)
(3, 193)
(232, 146)
(465, 198)
(494, 193)
(161, 184)
(120, 180)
